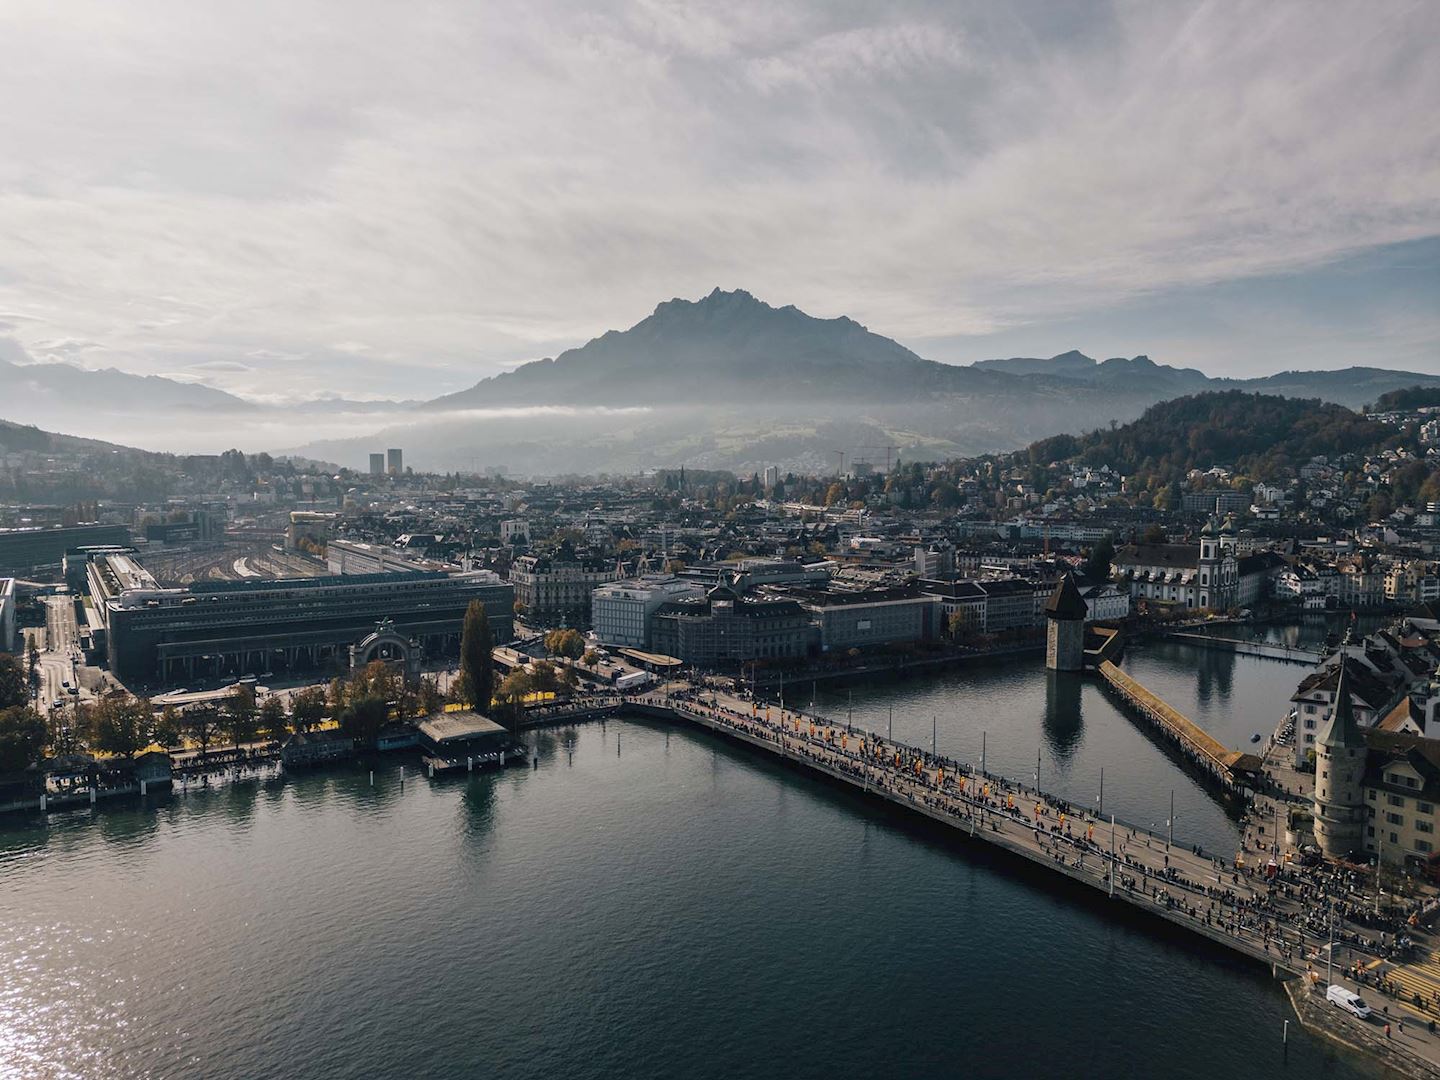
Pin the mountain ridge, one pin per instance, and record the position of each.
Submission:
(785, 351)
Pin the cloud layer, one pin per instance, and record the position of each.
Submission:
(298, 197)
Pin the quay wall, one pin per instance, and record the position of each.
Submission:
(1320, 1018)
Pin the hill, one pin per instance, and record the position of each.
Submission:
(19, 438)
(1412, 397)
(1263, 436)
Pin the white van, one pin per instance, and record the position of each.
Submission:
(1350, 1002)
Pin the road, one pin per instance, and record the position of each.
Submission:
(60, 652)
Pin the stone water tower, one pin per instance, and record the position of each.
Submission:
(1065, 627)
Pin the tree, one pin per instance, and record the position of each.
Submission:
(338, 694)
(13, 689)
(22, 738)
(307, 708)
(946, 495)
(274, 724)
(565, 642)
(120, 725)
(1155, 534)
(239, 715)
(168, 728)
(1097, 566)
(543, 678)
(364, 718)
(510, 696)
(34, 665)
(202, 724)
(431, 700)
(376, 679)
(477, 676)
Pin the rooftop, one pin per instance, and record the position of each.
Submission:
(450, 727)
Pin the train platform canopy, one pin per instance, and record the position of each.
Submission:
(653, 661)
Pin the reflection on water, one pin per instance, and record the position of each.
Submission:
(1063, 721)
(683, 908)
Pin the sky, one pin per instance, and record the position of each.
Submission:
(290, 199)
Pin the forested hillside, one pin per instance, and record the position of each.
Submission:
(1264, 437)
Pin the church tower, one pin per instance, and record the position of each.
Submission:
(1065, 613)
(1208, 567)
(1339, 773)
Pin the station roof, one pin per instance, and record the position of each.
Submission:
(655, 660)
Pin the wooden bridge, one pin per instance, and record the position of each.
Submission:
(1235, 770)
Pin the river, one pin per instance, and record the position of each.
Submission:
(644, 903)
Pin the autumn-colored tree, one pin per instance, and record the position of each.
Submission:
(274, 723)
(307, 708)
(202, 724)
(239, 716)
(22, 738)
(168, 728)
(119, 724)
(565, 642)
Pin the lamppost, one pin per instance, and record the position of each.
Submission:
(1330, 953)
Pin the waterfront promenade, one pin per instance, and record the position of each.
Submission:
(1279, 918)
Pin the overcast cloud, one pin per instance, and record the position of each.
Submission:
(289, 198)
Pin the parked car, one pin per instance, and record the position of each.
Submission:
(1349, 1001)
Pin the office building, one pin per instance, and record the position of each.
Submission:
(377, 464)
(395, 461)
(724, 629)
(556, 589)
(25, 552)
(868, 617)
(7, 615)
(620, 612)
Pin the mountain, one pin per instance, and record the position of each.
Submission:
(726, 346)
(725, 381)
(731, 348)
(1352, 387)
(45, 388)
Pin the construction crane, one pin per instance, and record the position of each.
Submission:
(840, 471)
(888, 451)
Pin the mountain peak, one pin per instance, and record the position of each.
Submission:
(718, 300)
